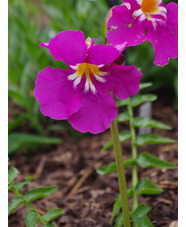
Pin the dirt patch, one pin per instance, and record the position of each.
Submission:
(86, 197)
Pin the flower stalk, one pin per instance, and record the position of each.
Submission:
(134, 156)
(121, 174)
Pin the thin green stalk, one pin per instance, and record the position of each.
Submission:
(121, 174)
(28, 205)
(134, 156)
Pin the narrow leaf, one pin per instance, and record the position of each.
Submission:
(14, 203)
(52, 214)
(107, 145)
(15, 94)
(119, 221)
(111, 168)
(139, 99)
(39, 193)
(117, 204)
(146, 187)
(145, 85)
(48, 225)
(16, 122)
(116, 207)
(12, 173)
(140, 216)
(147, 160)
(141, 122)
(123, 136)
(148, 138)
(31, 218)
(123, 117)
(17, 141)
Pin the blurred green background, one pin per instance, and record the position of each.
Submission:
(35, 21)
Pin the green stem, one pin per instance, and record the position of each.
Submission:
(134, 156)
(29, 206)
(121, 174)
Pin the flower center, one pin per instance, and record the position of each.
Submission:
(151, 10)
(149, 6)
(90, 71)
(87, 69)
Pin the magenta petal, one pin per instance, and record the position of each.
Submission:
(123, 30)
(96, 113)
(68, 46)
(55, 94)
(165, 38)
(102, 54)
(122, 80)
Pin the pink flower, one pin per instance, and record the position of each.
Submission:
(80, 93)
(136, 21)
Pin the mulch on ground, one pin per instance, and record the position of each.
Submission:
(86, 197)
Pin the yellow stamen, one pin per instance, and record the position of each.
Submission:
(87, 69)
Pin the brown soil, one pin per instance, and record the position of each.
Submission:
(86, 197)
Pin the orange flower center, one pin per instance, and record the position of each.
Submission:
(88, 70)
(149, 6)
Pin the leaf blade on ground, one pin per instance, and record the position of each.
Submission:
(18, 141)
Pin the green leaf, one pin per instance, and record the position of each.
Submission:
(18, 141)
(116, 207)
(140, 216)
(107, 145)
(119, 221)
(123, 136)
(48, 225)
(12, 173)
(147, 160)
(121, 102)
(139, 99)
(52, 214)
(14, 203)
(145, 85)
(111, 168)
(39, 193)
(16, 122)
(117, 204)
(148, 138)
(146, 187)
(123, 117)
(9, 187)
(17, 96)
(141, 122)
(19, 185)
(31, 218)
